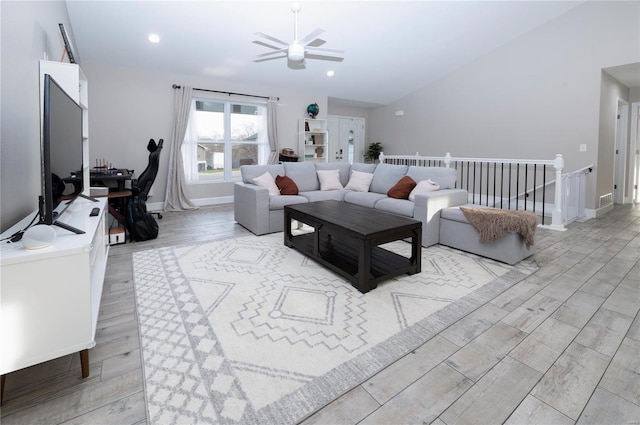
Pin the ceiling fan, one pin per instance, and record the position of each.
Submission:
(298, 50)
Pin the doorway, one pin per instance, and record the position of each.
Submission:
(634, 153)
(620, 153)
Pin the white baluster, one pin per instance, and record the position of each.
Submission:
(557, 223)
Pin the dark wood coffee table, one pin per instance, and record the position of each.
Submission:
(346, 239)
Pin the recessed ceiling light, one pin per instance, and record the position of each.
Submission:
(154, 38)
(330, 73)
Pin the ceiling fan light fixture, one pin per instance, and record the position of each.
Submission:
(296, 52)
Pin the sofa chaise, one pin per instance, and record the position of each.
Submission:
(262, 213)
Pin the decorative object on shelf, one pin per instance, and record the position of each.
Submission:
(373, 153)
(313, 110)
(288, 152)
(306, 126)
(67, 45)
(319, 152)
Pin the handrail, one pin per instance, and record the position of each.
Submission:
(522, 168)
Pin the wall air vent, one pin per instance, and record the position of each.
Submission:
(606, 199)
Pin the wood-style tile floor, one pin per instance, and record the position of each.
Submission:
(560, 347)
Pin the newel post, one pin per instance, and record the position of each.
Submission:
(447, 159)
(557, 222)
(381, 158)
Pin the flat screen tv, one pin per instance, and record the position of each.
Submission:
(61, 153)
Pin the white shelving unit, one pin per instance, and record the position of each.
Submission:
(313, 140)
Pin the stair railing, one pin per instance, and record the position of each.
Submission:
(513, 184)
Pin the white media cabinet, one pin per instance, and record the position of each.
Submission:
(50, 297)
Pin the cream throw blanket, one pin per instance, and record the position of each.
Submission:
(493, 224)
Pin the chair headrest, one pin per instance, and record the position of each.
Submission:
(152, 146)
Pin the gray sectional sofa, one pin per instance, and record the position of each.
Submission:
(260, 213)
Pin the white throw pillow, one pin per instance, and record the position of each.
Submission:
(267, 180)
(359, 181)
(423, 186)
(329, 179)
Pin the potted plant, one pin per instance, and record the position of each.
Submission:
(373, 153)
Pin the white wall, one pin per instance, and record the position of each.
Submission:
(127, 107)
(532, 98)
(29, 32)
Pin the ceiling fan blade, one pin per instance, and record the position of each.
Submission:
(268, 37)
(317, 42)
(319, 56)
(323, 50)
(311, 36)
(262, 43)
(275, 52)
(271, 58)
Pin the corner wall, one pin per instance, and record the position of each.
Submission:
(532, 98)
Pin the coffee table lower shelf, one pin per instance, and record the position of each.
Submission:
(343, 257)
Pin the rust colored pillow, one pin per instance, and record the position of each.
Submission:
(402, 189)
(286, 185)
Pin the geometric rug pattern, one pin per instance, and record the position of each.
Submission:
(248, 331)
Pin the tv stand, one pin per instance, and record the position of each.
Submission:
(57, 289)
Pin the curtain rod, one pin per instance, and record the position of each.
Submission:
(176, 86)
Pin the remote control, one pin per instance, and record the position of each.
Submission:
(95, 212)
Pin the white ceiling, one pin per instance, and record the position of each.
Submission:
(392, 47)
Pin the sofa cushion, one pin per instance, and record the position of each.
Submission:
(279, 202)
(362, 167)
(445, 177)
(402, 189)
(396, 206)
(324, 195)
(250, 172)
(267, 180)
(422, 187)
(343, 167)
(304, 174)
(359, 181)
(329, 179)
(385, 176)
(286, 185)
(365, 199)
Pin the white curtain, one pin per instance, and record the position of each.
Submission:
(189, 146)
(272, 130)
(175, 197)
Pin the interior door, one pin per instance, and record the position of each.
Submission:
(346, 138)
(620, 154)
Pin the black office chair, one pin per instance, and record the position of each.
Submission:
(141, 186)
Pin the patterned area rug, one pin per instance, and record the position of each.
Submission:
(248, 331)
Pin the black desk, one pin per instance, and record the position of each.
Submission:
(120, 176)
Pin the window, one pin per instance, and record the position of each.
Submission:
(221, 136)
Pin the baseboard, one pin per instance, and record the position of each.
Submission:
(598, 212)
(202, 202)
(155, 206)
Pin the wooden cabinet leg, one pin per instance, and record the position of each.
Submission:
(84, 362)
(2, 378)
